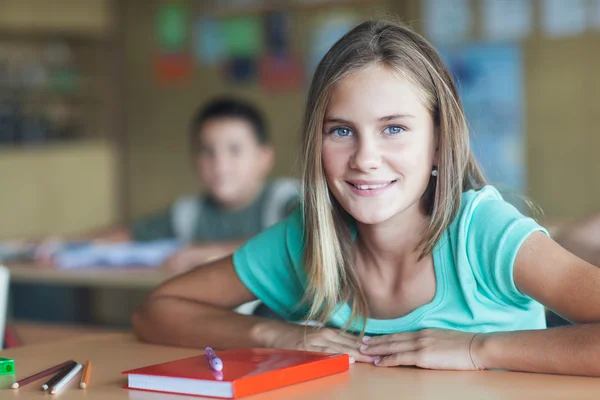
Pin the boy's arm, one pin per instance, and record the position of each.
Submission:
(120, 233)
(201, 253)
(582, 238)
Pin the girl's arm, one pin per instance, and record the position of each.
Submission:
(546, 272)
(195, 310)
(570, 287)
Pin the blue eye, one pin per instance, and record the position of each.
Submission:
(341, 132)
(394, 130)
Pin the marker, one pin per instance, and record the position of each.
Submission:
(214, 362)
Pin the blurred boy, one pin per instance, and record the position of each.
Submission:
(232, 158)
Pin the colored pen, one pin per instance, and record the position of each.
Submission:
(213, 361)
(66, 379)
(64, 371)
(40, 375)
(85, 377)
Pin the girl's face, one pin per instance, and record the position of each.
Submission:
(379, 145)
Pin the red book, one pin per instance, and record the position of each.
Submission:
(245, 372)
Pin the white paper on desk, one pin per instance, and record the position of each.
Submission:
(507, 19)
(447, 22)
(117, 255)
(563, 18)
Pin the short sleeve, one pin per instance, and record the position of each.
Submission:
(282, 199)
(270, 266)
(158, 226)
(494, 231)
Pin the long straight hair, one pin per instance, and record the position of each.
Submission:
(328, 252)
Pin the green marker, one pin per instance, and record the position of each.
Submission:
(7, 366)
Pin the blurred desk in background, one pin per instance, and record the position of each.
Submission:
(29, 333)
(88, 296)
(120, 278)
(113, 293)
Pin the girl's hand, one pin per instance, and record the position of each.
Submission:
(429, 348)
(296, 337)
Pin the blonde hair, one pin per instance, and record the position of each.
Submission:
(328, 252)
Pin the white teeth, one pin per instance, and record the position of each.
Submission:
(371, 187)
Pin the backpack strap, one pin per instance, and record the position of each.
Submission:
(185, 213)
(279, 194)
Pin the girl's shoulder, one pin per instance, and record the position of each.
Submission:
(484, 212)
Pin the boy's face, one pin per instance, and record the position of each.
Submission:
(230, 161)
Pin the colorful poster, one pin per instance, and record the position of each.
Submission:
(208, 44)
(447, 22)
(171, 26)
(507, 19)
(173, 68)
(278, 33)
(328, 29)
(240, 70)
(563, 18)
(490, 83)
(281, 73)
(243, 36)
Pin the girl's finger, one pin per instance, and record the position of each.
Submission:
(390, 347)
(395, 337)
(393, 360)
(345, 339)
(353, 353)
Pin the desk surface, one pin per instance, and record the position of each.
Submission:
(128, 278)
(112, 353)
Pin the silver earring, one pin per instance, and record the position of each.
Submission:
(434, 172)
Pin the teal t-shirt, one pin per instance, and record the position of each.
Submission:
(473, 263)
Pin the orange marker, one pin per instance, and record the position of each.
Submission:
(85, 378)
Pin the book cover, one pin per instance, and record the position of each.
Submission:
(245, 372)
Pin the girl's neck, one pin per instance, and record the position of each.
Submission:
(391, 248)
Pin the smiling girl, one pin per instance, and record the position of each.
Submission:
(398, 238)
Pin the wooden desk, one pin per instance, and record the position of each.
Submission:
(122, 278)
(112, 353)
(30, 333)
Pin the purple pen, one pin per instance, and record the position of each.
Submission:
(215, 362)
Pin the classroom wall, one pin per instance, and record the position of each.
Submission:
(157, 117)
(562, 93)
(562, 97)
(57, 189)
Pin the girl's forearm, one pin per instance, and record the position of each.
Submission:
(179, 322)
(571, 350)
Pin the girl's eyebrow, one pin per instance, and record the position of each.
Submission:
(337, 120)
(395, 116)
(382, 119)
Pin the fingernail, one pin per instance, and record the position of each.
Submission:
(366, 338)
(363, 347)
(352, 360)
(377, 359)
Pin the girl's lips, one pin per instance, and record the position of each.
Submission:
(369, 188)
